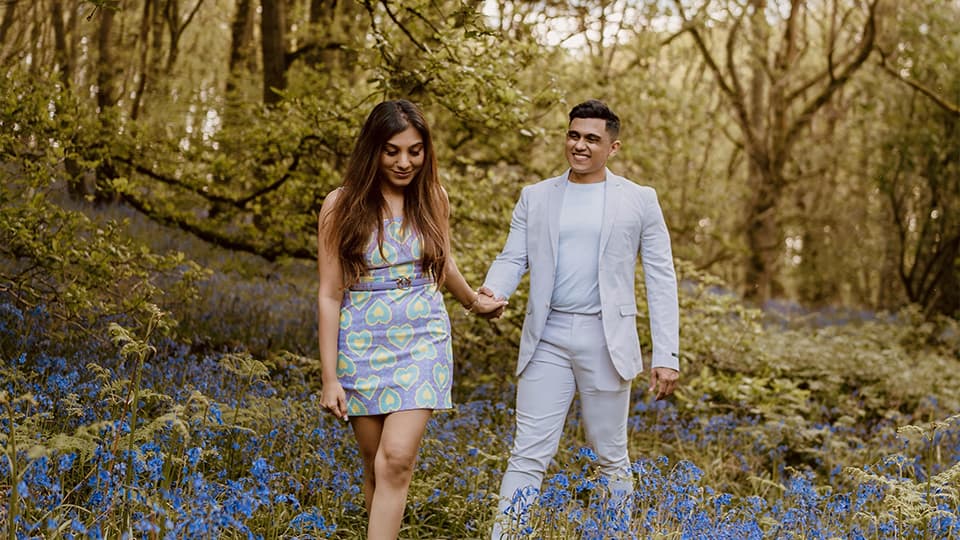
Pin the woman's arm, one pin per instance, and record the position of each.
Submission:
(329, 298)
(457, 285)
(471, 300)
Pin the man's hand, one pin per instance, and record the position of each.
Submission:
(488, 298)
(663, 380)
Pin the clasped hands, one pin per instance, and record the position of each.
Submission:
(487, 305)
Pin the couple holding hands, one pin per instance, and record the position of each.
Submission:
(385, 346)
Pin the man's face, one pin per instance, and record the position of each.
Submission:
(588, 148)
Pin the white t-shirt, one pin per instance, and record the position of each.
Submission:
(577, 288)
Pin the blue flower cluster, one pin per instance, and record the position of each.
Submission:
(217, 451)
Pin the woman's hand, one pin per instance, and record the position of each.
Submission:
(334, 399)
(487, 306)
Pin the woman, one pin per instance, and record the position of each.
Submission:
(384, 249)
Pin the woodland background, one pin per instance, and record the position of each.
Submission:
(162, 163)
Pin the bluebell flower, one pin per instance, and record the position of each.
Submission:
(260, 469)
(588, 453)
(193, 456)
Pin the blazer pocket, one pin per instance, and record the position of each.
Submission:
(628, 310)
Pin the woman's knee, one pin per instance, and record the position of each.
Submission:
(394, 462)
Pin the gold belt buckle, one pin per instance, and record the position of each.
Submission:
(403, 282)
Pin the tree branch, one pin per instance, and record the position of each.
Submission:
(734, 93)
(950, 108)
(293, 56)
(270, 252)
(237, 202)
(866, 47)
(832, 60)
(193, 13)
(403, 28)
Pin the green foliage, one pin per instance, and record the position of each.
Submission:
(58, 259)
(196, 151)
(910, 501)
(908, 153)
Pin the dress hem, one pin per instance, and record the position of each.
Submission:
(450, 408)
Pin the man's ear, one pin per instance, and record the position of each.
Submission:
(614, 148)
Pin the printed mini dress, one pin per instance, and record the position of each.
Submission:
(394, 347)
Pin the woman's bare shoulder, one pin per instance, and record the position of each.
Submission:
(330, 201)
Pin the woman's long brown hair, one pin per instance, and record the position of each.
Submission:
(360, 208)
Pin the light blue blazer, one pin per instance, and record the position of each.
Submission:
(632, 225)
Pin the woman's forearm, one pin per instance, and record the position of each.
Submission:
(328, 334)
(457, 285)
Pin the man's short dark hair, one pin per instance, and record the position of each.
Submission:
(594, 108)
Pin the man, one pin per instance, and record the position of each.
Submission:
(579, 234)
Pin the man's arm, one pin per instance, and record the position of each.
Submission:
(661, 281)
(508, 268)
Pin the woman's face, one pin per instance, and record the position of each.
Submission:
(402, 158)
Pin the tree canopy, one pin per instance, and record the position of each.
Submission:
(802, 150)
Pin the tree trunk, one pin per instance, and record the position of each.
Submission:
(274, 54)
(774, 111)
(763, 227)
(74, 37)
(172, 14)
(144, 44)
(36, 41)
(155, 61)
(64, 58)
(242, 71)
(946, 289)
(105, 65)
(176, 25)
(106, 99)
(242, 58)
(9, 16)
(61, 52)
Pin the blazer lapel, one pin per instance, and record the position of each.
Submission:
(611, 203)
(554, 204)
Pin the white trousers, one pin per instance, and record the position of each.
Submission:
(571, 356)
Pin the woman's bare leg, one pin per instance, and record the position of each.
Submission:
(367, 429)
(393, 468)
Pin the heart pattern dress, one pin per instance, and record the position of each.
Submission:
(394, 346)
